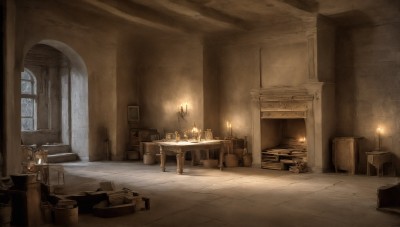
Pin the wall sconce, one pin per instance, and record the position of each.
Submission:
(183, 110)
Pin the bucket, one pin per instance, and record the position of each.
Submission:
(46, 212)
(5, 215)
(231, 160)
(148, 159)
(247, 160)
(66, 216)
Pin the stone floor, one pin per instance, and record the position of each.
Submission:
(235, 196)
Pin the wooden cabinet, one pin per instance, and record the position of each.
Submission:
(345, 154)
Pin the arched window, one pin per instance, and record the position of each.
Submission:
(28, 101)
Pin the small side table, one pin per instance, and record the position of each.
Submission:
(377, 159)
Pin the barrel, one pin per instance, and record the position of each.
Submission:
(66, 216)
(247, 160)
(149, 159)
(231, 160)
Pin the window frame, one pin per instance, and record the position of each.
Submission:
(32, 95)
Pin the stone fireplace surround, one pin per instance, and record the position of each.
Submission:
(308, 102)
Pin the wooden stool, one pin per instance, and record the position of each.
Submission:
(377, 159)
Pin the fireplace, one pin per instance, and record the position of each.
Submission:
(298, 116)
(283, 144)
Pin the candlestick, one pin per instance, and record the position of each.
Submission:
(379, 130)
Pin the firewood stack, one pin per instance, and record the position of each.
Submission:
(290, 155)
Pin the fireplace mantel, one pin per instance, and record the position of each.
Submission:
(283, 102)
(304, 102)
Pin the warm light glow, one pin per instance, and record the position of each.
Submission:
(302, 139)
(379, 130)
(40, 161)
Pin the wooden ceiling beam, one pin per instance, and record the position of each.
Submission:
(137, 17)
(200, 12)
(297, 8)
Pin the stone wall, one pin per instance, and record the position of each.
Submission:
(368, 86)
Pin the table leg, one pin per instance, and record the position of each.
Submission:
(193, 153)
(162, 159)
(182, 161)
(393, 168)
(179, 161)
(221, 157)
(379, 169)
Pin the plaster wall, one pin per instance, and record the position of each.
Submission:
(65, 91)
(239, 73)
(284, 64)
(170, 72)
(368, 86)
(127, 89)
(211, 81)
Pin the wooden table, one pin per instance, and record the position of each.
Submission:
(377, 159)
(180, 149)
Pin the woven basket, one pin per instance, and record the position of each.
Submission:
(210, 163)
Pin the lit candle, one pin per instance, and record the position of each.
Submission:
(227, 128)
(379, 130)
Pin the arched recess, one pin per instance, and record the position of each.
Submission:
(76, 133)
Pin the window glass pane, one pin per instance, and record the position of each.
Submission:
(27, 107)
(26, 124)
(26, 87)
(25, 76)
